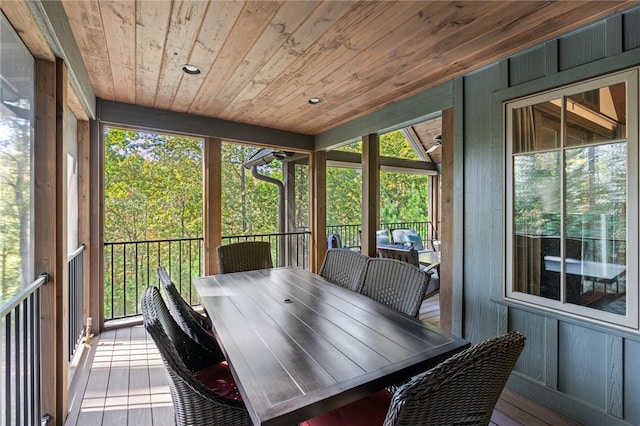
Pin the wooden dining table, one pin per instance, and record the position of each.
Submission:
(299, 346)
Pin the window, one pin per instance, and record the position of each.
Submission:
(16, 133)
(572, 199)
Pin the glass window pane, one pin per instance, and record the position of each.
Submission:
(597, 115)
(536, 127)
(536, 206)
(16, 124)
(596, 226)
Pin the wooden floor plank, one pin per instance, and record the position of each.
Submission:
(538, 410)
(125, 389)
(518, 415)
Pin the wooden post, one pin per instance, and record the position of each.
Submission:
(446, 231)
(212, 200)
(289, 181)
(84, 214)
(46, 231)
(370, 193)
(62, 264)
(318, 208)
(96, 221)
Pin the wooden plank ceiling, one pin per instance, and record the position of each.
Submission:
(262, 60)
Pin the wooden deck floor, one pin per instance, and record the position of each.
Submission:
(121, 381)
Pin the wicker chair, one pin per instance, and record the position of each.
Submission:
(344, 267)
(463, 390)
(193, 402)
(401, 253)
(397, 284)
(178, 306)
(196, 326)
(244, 256)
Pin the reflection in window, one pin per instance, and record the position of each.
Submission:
(16, 120)
(569, 180)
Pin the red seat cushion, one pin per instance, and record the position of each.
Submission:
(368, 411)
(219, 380)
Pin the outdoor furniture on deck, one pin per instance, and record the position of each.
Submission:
(397, 284)
(344, 267)
(182, 312)
(189, 367)
(299, 345)
(401, 253)
(462, 390)
(409, 237)
(244, 256)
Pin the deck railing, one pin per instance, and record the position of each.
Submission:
(130, 266)
(350, 234)
(76, 299)
(20, 352)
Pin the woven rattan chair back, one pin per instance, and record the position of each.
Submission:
(403, 254)
(193, 403)
(344, 267)
(463, 390)
(397, 284)
(187, 317)
(244, 256)
(194, 355)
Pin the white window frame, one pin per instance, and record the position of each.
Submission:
(630, 320)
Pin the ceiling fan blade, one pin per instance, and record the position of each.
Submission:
(432, 148)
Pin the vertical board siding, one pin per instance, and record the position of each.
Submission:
(582, 364)
(527, 66)
(585, 372)
(483, 166)
(631, 382)
(631, 34)
(583, 46)
(614, 375)
(533, 359)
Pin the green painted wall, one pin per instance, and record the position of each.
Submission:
(586, 371)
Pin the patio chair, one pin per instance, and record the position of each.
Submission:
(397, 284)
(382, 237)
(344, 267)
(244, 256)
(178, 305)
(462, 390)
(403, 254)
(189, 368)
(409, 237)
(196, 326)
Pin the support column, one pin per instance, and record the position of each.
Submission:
(62, 264)
(370, 193)
(446, 229)
(318, 210)
(212, 203)
(95, 244)
(44, 224)
(84, 215)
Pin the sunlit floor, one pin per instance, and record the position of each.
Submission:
(121, 381)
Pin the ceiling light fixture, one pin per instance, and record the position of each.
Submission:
(191, 69)
(437, 142)
(315, 101)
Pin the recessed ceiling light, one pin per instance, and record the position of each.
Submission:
(191, 69)
(315, 101)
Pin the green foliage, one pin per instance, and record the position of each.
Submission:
(249, 205)
(153, 186)
(153, 191)
(395, 145)
(403, 197)
(15, 193)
